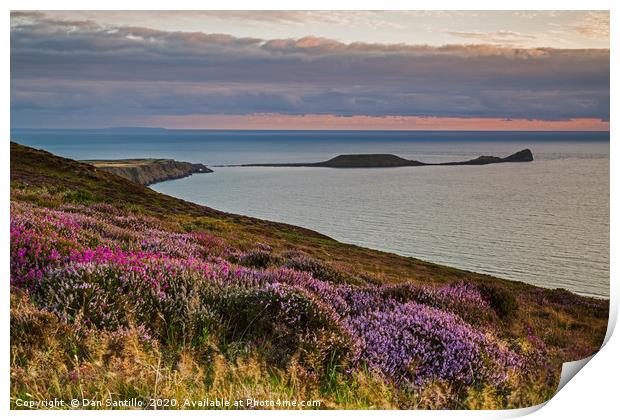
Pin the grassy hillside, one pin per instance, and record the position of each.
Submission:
(120, 291)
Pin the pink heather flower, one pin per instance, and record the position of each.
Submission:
(409, 334)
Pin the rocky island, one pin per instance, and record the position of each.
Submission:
(393, 161)
(149, 171)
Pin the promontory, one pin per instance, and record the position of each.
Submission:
(149, 171)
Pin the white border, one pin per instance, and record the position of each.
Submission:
(313, 5)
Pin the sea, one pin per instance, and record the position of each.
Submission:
(544, 222)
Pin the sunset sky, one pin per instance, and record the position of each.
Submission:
(404, 70)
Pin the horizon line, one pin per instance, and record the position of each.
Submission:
(306, 130)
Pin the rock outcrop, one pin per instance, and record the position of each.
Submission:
(393, 161)
(524, 155)
(149, 171)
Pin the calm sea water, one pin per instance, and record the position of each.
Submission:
(544, 222)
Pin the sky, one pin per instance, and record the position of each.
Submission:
(375, 70)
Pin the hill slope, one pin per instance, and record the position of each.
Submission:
(119, 290)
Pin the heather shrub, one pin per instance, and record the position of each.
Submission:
(414, 344)
(209, 245)
(109, 290)
(263, 246)
(500, 299)
(286, 323)
(179, 311)
(572, 304)
(461, 298)
(87, 295)
(258, 258)
(99, 271)
(37, 246)
(319, 270)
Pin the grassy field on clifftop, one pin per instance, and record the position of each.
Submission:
(122, 293)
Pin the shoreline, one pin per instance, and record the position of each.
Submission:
(136, 163)
(451, 265)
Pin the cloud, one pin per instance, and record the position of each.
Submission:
(80, 67)
(254, 18)
(497, 37)
(594, 25)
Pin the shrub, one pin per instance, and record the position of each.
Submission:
(319, 270)
(78, 196)
(461, 298)
(500, 299)
(257, 258)
(98, 270)
(286, 322)
(115, 290)
(414, 344)
(87, 295)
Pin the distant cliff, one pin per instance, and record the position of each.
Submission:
(149, 171)
(393, 161)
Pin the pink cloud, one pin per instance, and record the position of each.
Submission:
(362, 122)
